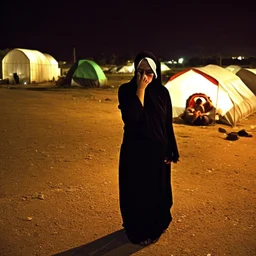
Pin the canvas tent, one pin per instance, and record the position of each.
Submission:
(253, 70)
(85, 73)
(125, 69)
(164, 67)
(30, 66)
(129, 69)
(248, 77)
(231, 98)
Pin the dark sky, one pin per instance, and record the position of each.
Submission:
(168, 29)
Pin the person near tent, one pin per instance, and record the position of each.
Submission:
(197, 115)
(208, 105)
(16, 78)
(193, 116)
(190, 115)
(199, 105)
(147, 151)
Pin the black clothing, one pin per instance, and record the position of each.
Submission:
(201, 120)
(16, 78)
(144, 179)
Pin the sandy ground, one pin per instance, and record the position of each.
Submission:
(59, 180)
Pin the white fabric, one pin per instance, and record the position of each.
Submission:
(151, 63)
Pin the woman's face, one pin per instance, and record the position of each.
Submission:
(144, 68)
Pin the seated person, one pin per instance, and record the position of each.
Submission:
(190, 115)
(199, 105)
(202, 119)
(195, 117)
(208, 106)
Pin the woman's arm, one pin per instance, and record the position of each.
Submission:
(129, 103)
(142, 83)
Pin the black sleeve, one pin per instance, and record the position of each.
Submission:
(173, 154)
(129, 104)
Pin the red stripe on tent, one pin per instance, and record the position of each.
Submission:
(211, 79)
(179, 73)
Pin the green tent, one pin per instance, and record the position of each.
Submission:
(85, 73)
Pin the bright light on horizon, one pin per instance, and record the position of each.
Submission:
(180, 60)
(239, 58)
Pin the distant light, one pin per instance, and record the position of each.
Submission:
(172, 62)
(25, 82)
(238, 58)
(180, 60)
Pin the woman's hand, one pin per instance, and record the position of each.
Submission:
(143, 80)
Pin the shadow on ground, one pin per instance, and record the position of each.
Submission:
(114, 244)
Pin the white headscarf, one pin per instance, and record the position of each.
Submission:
(151, 63)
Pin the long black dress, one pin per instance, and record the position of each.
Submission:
(144, 179)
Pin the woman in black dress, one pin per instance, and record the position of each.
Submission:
(148, 148)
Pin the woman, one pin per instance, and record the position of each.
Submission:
(148, 148)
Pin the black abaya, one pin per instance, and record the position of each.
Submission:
(144, 178)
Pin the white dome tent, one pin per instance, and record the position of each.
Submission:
(31, 66)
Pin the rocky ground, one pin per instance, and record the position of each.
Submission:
(59, 180)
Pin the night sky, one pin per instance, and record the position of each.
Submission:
(170, 30)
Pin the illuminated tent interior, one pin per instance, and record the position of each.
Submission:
(31, 66)
(247, 76)
(85, 73)
(231, 98)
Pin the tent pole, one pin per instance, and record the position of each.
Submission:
(216, 105)
(74, 54)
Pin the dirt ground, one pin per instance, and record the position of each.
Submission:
(59, 153)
